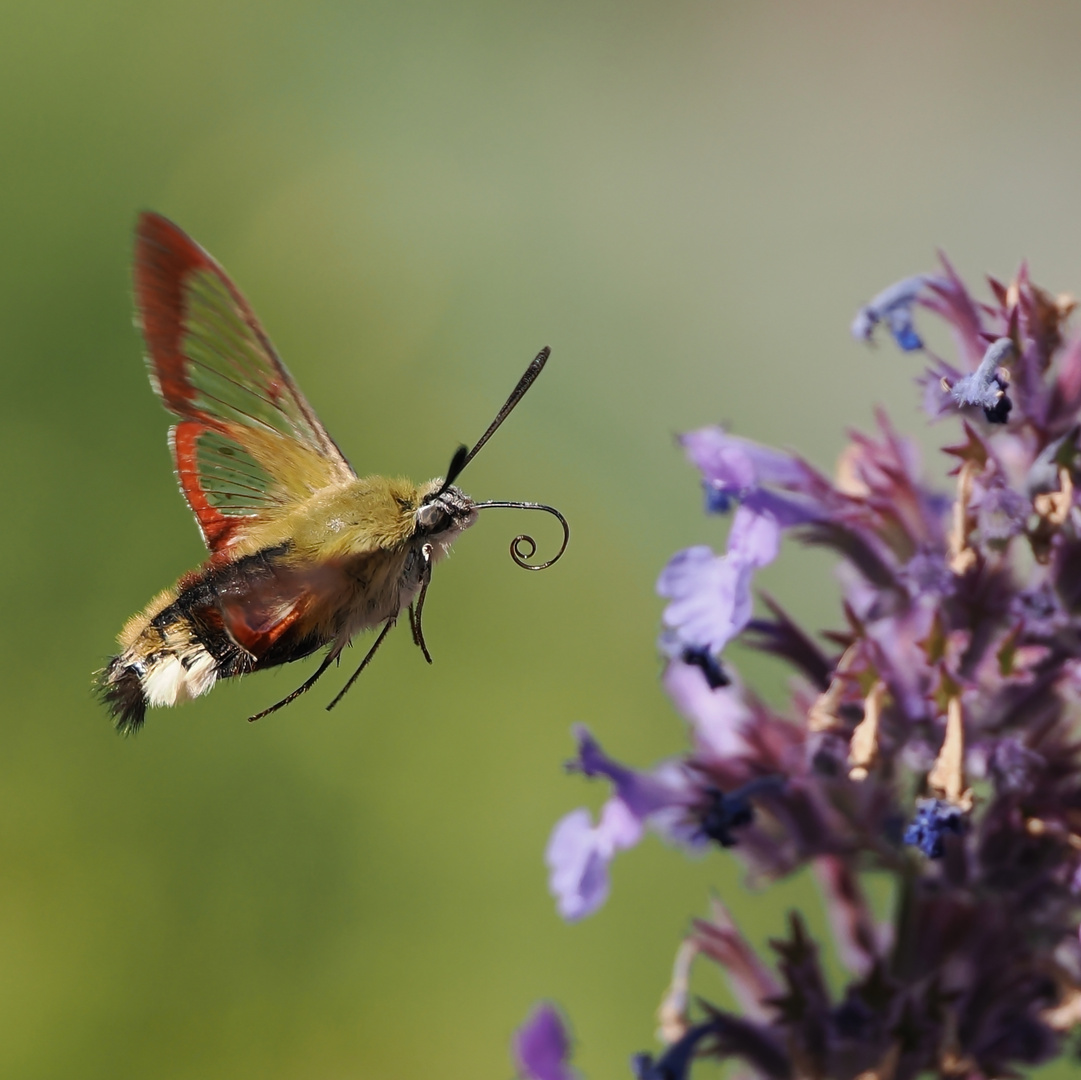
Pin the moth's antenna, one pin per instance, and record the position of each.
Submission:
(457, 463)
(462, 456)
(516, 553)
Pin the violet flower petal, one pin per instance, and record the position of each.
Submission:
(735, 466)
(786, 510)
(983, 387)
(755, 538)
(579, 852)
(894, 307)
(719, 718)
(711, 599)
(641, 793)
(541, 1046)
(738, 470)
(702, 588)
(578, 855)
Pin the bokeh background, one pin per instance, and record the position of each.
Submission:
(687, 201)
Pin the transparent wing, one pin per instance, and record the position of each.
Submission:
(248, 442)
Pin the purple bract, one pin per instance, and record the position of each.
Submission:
(932, 737)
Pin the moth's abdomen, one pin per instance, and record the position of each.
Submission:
(121, 689)
(131, 683)
(255, 613)
(170, 659)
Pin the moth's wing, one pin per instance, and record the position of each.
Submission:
(248, 443)
(264, 618)
(280, 611)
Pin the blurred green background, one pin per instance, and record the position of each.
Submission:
(687, 201)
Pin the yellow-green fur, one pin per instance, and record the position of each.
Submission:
(354, 518)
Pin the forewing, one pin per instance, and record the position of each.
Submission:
(248, 443)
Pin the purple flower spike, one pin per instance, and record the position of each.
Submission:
(984, 387)
(954, 672)
(894, 307)
(541, 1046)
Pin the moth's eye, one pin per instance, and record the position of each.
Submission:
(430, 514)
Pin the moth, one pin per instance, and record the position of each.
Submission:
(303, 553)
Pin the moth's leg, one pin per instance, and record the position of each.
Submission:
(416, 609)
(418, 633)
(330, 657)
(364, 663)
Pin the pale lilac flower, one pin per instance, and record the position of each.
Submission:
(711, 599)
(765, 480)
(643, 794)
(894, 307)
(541, 1047)
(720, 719)
(579, 853)
(737, 467)
(985, 387)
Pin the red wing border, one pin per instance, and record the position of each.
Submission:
(248, 441)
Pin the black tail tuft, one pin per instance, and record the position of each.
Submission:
(122, 692)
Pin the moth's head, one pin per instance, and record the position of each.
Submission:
(443, 512)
